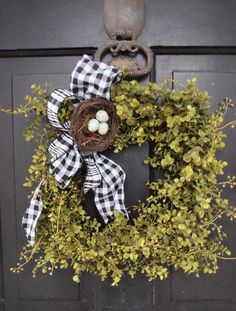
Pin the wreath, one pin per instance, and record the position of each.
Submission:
(176, 226)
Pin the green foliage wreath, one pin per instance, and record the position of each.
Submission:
(176, 226)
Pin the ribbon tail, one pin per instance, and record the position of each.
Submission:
(31, 216)
(109, 195)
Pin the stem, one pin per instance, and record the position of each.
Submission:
(226, 258)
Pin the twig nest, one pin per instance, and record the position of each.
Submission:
(94, 124)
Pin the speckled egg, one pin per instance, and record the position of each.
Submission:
(102, 116)
(103, 128)
(93, 125)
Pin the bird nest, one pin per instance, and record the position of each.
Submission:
(90, 141)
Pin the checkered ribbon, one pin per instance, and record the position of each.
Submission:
(104, 176)
(31, 216)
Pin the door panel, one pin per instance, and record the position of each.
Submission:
(217, 75)
(22, 292)
(131, 294)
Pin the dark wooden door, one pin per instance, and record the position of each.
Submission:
(41, 41)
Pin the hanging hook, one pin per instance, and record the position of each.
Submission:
(124, 21)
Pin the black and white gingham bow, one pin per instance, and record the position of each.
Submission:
(104, 176)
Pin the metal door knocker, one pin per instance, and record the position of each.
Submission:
(124, 21)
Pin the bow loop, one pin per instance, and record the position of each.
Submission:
(55, 100)
(66, 159)
(90, 79)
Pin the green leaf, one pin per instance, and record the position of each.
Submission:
(187, 172)
(76, 278)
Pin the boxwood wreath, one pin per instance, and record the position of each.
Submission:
(177, 225)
